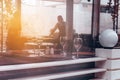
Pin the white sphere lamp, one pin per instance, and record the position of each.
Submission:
(108, 38)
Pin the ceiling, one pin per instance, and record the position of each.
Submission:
(75, 1)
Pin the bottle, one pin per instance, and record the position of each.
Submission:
(52, 50)
(47, 51)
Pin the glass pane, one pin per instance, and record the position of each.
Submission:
(105, 17)
(82, 23)
(40, 17)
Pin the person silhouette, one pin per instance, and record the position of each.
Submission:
(60, 25)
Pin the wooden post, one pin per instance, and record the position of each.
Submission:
(2, 26)
(69, 25)
(69, 19)
(95, 21)
(18, 3)
(14, 39)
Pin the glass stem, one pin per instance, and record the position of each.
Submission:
(77, 55)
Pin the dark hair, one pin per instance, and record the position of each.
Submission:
(59, 17)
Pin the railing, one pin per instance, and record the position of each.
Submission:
(65, 74)
(53, 64)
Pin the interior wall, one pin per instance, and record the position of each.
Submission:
(105, 21)
(38, 20)
(82, 18)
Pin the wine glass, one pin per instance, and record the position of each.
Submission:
(63, 43)
(77, 42)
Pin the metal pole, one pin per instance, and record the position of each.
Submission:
(116, 2)
(117, 16)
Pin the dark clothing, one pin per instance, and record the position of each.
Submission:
(61, 27)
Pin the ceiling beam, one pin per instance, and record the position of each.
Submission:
(75, 1)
